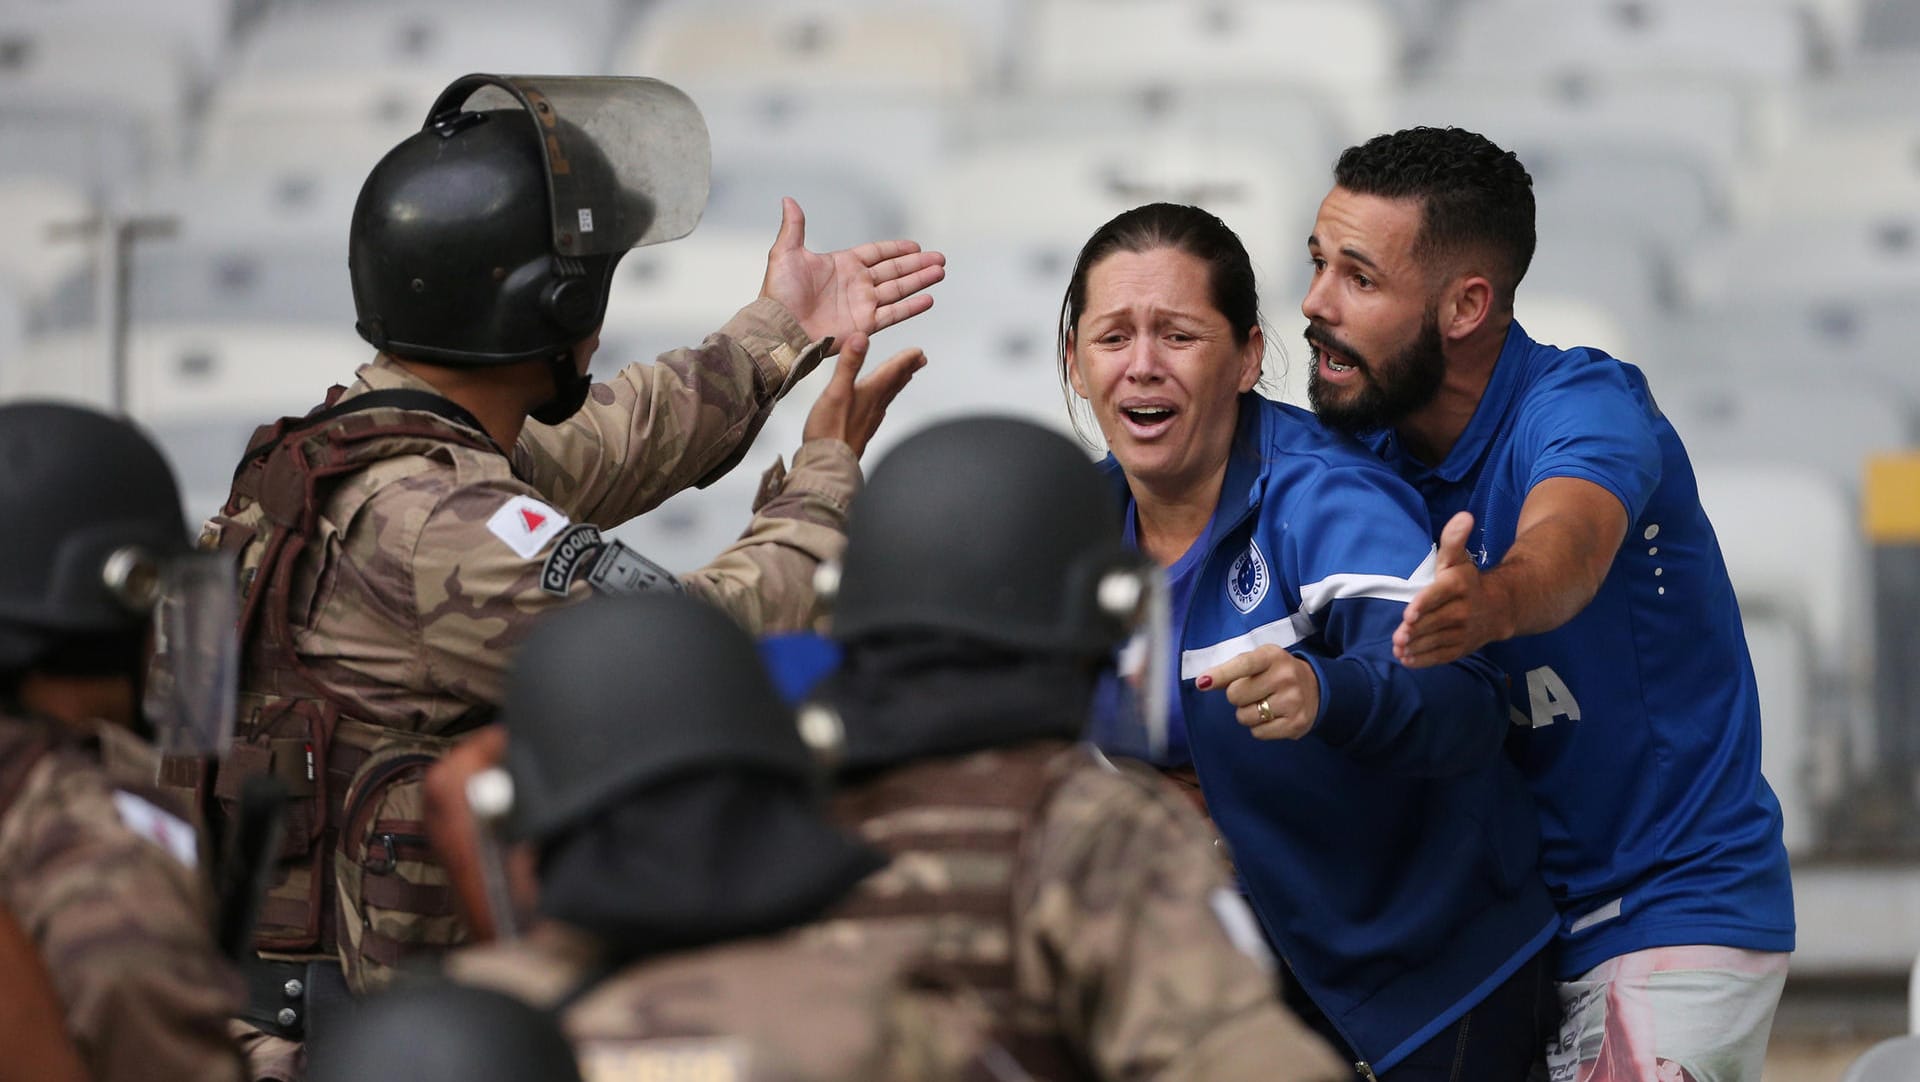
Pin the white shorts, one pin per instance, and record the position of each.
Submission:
(1669, 1014)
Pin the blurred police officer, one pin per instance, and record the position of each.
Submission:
(985, 589)
(101, 874)
(395, 544)
(680, 829)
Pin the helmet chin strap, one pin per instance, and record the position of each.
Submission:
(570, 387)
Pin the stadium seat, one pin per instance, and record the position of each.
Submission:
(1618, 274)
(101, 70)
(438, 40)
(194, 370)
(1567, 321)
(1708, 124)
(1057, 192)
(1748, 44)
(844, 206)
(904, 51)
(1881, 340)
(242, 248)
(1652, 196)
(1810, 263)
(1890, 26)
(38, 245)
(100, 152)
(1782, 670)
(1896, 1059)
(675, 294)
(1871, 87)
(13, 331)
(1793, 419)
(1345, 52)
(1793, 550)
(1843, 173)
(197, 30)
(266, 122)
(204, 449)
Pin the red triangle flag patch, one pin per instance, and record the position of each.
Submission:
(533, 519)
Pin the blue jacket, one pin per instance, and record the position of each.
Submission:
(1392, 853)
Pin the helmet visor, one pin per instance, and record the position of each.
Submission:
(1135, 721)
(193, 677)
(627, 158)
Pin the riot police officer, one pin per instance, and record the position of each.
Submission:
(103, 874)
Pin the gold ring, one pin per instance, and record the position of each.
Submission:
(1266, 712)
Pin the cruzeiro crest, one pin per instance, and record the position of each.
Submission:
(1247, 579)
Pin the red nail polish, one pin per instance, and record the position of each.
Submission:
(1203, 683)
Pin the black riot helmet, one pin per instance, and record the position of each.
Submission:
(619, 693)
(444, 1033)
(490, 236)
(994, 529)
(90, 506)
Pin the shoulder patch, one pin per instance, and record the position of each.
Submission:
(572, 554)
(1248, 579)
(158, 826)
(526, 525)
(620, 570)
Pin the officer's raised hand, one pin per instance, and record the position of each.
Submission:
(850, 410)
(855, 290)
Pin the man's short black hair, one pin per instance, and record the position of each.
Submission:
(1473, 194)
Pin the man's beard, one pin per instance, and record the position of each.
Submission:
(1385, 393)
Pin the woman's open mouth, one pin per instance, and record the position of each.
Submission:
(1147, 419)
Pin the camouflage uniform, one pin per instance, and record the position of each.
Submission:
(415, 602)
(1045, 915)
(429, 567)
(104, 882)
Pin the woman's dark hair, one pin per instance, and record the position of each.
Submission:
(1152, 227)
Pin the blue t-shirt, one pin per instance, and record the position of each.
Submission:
(1638, 721)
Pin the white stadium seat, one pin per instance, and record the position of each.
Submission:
(1877, 342)
(1795, 555)
(1706, 123)
(1345, 51)
(900, 50)
(1804, 263)
(427, 39)
(1057, 192)
(39, 246)
(1843, 173)
(1896, 1059)
(1783, 671)
(1738, 40)
(266, 122)
(104, 70)
(1795, 419)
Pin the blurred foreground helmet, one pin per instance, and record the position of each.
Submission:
(491, 235)
(617, 693)
(992, 528)
(97, 555)
(445, 1033)
(90, 506)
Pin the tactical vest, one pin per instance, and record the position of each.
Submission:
(954, 812)
(355, 875)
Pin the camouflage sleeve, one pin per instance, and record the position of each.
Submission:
(765, 579)
(478, 567)
(655, 429)
(97, 879)
(1127, 925)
